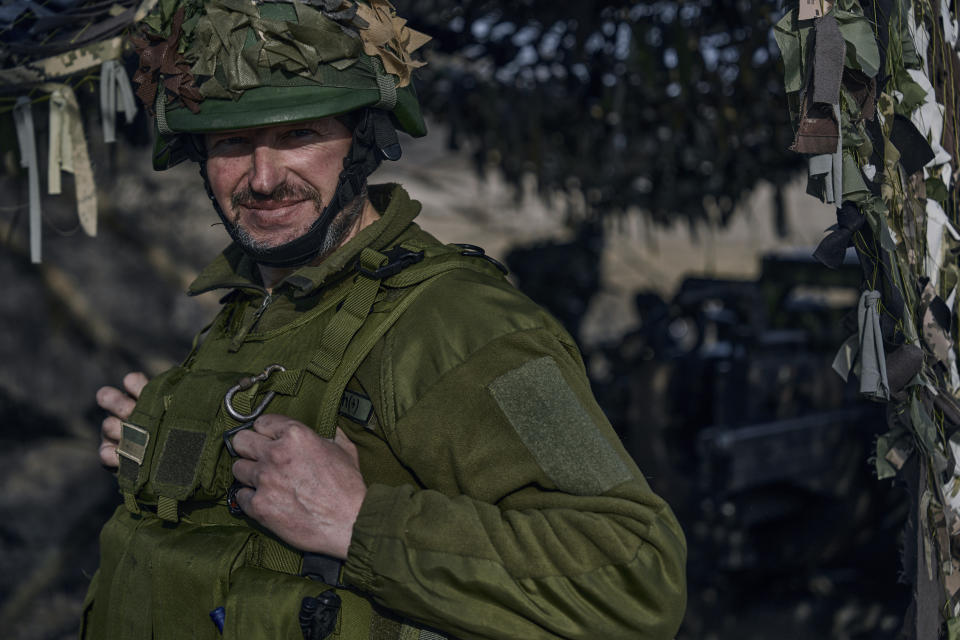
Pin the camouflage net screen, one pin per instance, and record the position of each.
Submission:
(873, 89)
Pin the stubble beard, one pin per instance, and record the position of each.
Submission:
(337, 231)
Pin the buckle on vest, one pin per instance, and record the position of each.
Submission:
(245, 383)
(318, 616)
(228, 438)
(319, 566)
(398, 260)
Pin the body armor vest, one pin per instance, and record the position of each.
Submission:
(174, 562)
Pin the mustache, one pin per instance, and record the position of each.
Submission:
(283, 192)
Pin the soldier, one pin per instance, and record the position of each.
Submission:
(377, 437)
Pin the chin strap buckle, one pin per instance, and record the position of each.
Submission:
(398, 259)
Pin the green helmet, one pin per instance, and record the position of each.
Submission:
(215, 65)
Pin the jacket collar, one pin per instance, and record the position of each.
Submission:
(233, 269)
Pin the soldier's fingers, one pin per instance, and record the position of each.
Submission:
(341, 440)
(110, 429)
(105, 396)
(134, 383)
(245, 471)
(273, 425)
(249, 444)
(108, 454)
(244, 497)
(116, 402)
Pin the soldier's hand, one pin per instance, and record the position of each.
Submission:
(303, 488)
(120, 404)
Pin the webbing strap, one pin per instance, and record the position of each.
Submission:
(130, 502)
(429, 269)
(167, 509)
(386, 86)
(356, 307)
(352, 619)
(348, 319)
(382, 628)
(283, 382)
(409, 633)
(276, 556)
(388, 93)
(330, 404)
(160, 109)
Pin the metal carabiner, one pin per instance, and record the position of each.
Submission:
(243, 385)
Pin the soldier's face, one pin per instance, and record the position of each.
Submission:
(273, 182)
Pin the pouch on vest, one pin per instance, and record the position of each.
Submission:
(188, 443)
(185, 457)
(146, 415)
(158, 580)
(265, 605)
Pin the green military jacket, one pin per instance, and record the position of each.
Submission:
(500, 502)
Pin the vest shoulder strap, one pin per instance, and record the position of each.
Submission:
(426, 262)
(404, 267)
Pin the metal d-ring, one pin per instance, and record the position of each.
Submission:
(243, 385)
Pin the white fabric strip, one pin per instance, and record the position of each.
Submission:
(921, 39)
(937, 223)
(951, 29)
(108, 102)
(873, 364)
(78, 160)
(115, 95)
(23, 119)
(928, 118)
(59, 150)
(837, 161)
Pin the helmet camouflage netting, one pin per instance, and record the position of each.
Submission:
(229, 64)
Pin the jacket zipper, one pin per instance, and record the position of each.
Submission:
(237, 341)
(267, 299)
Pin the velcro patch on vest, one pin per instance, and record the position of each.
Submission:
(557, 430)
(133, 442)
(128, 472)
(181, 454)
(356, 407)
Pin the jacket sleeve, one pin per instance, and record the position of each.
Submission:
(528, 519)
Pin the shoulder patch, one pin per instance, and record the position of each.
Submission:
(557, 430)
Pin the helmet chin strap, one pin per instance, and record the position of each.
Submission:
(374, 138)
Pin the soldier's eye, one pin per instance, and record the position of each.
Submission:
(301, 133)
(229, 145)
